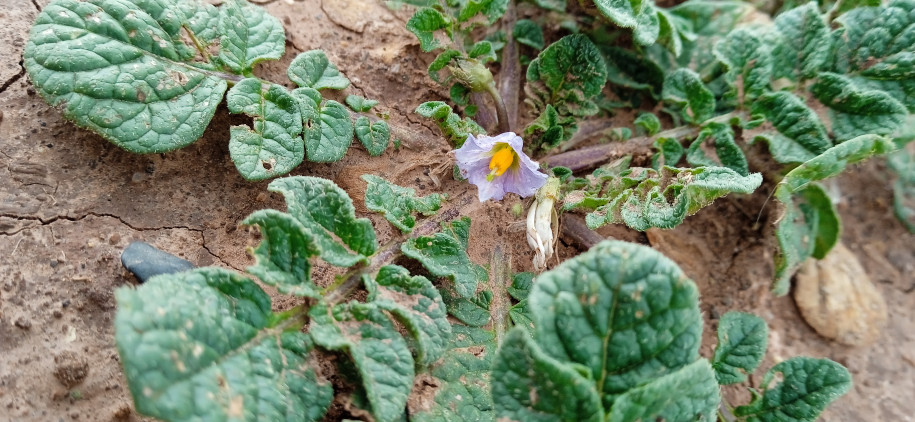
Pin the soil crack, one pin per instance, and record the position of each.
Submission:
(15, 78)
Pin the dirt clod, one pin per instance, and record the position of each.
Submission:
(23, 322)
(70, 368)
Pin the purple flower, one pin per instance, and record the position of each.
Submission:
(497, 165)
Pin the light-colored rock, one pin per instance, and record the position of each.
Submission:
(838, 299)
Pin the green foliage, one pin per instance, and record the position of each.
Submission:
(808, 385)
(359, 103)
(398, 204)
(647, 124)
(728, 154)
(444, 256)
(805, 43)
(903, 164)
(568, 75)
(373, 136)
(424, 23)
(642, 16)
(742, 340)
(801, 135)
(150, 80)
(527, 32)
(453, 127)
(685, 94)
(856, 110)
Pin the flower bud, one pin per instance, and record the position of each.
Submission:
(472, 74)
(543, 223)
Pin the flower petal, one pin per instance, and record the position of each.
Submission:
(473, 161)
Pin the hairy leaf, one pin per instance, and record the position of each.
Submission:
(491, 9)
(647, 124)
(253, 369)
(727, 152)
(685, 93)
(328, 127)
(808, 385)
(381, 355)
(529, 385)
(527, 32)
(443, 256)
(312, 69)
(473, 311)
(568, 74)
(398, 204)
(801, 134)
(138, 91)
(282, 257)
(375, 137)
(629, 69)
(455, 128)
(623, 311)
(641, 16)
(805, 45)
(248, 35)
(424, 23)
(359, 103)
(742, 340)
(669, 150)
(328, 214)
(688, 394)
(856, 110)
(749, 62)
(274, 147)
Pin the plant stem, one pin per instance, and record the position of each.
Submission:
(510, 74)
(500, 272)
(576, 231)
(500, 108)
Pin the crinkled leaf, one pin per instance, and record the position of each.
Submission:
(641, 16)
(371, 340)
(444, 256)
(336, 134)
(742, 340)
(136, 91)
(801, 134)
(645, 198)
(274, 147)
(810, 226)
(312, 69)
(202, 21)
(857, 110)
(702, 23)
(527, 32)
(473, 311)
(416, 304)
(685, 93)
(398, 204)
(629, 69)
(424, 23)
(647, 124)
(483, 51)
(248, 35)
(359, 103)
(442, 60)
(748, 60)
(833, 161)
(805, 45)
(459, 229)
(529, 385)
(491, 9)
(808, 385)
(453, 127)
(727, 153)
(375, 137)
(689, 394)
(521, 286)
(623, 311)
(461, 380)
(282, 257)
(546, 131)
(328, 214)
(568, 74)
(209, 333)
(669, 150)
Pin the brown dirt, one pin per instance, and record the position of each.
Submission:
(70, 202)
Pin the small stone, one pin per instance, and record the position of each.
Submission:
(70, 368)
(145, 261)
(53, 263)
(57, 313)
(23, 323)
(114, 239)
(838, 299)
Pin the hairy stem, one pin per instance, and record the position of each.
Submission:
(499, 279)
(500, 108)
(510, 74)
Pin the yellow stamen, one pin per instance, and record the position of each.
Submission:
(501, 161)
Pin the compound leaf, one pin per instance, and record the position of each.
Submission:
(253, 369)
(398, 204)
(274, 146)
(568, 74)
(689, 394)
(248, 35)
(808, 385)
(282, 257)
(312, 69)
(380, 353)
(857, 110)
(801, 134)
(327, 212)
(742, 340)
(685, 92)
(124, 78)
(373, 136)
(529, 385)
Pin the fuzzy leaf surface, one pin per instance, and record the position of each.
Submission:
(641, 16)
(444, 256)
(687, 394)
(728, 153)
(312, 69)
(248, 35)
(424, 23)
(282, 257)
(805, 43)
(684, 92)
(801, 135)
(742, 341)
(375, 137)
(451, 124)
(138, 92)
(568, 74)
(748, 60)
(398, 204)
(327, 212)
(856, 110)
(359, 103)
(274, 146)
(328, 127)
(527, 32)
(808, 385)
(215, 339)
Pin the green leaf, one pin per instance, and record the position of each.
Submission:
(248, 35)
(424, 23)
(482, 51)
(202, 21)
(641, 16)
(312, 69)
(328, 214)
(371, 340)
(328, 127)
(808, 385)
(802, 135)
(833, 161)
(805, 45)
(90, 67)
(459, 229)
(647, 124)
(527, 32)
(867, 36)
(748, 60)
(360, 104)
(416, 304)
(629, 69)
(645, 198)
(685, 93)
(472, 311)
(462, 380)
(491, 9)
(689, 394)
(441, 61)
(453, 127)
(669, 149)
(528, 385)
(398, 204)
(569, 74)
(275, 146)
(207, 333)
(374, 136)
(623, 311)
(557, 5)
(522, 283)
(282, 257)
(903, 164)
(856, 110)
(742, 340)
(444, 256)
(727, 152)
